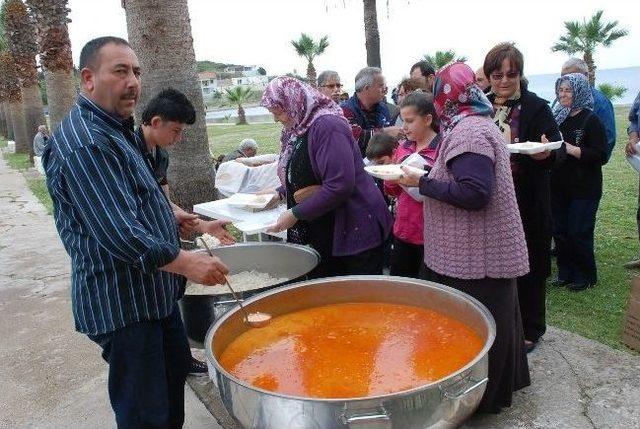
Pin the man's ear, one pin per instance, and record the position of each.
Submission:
(87, 78)
(155, 122)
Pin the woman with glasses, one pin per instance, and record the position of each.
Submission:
(329, 85)
(523, 116)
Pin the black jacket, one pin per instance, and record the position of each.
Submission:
(531, 181)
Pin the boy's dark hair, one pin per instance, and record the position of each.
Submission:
(90, 51)
(380, 144)
(423, 103)
(170, 105)
(426, 68)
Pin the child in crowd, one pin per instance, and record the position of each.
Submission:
(421, 130)
(380, 149)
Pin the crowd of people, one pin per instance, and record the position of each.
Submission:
(472, 216)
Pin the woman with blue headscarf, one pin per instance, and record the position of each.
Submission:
(576, 183)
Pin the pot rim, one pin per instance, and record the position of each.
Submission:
(389, 396)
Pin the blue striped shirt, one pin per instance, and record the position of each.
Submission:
(114, 221)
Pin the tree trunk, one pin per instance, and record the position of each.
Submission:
(3, 122)
(61, 95)
(242, 119)
(33, 113)
(311, 74)
(160, 34)
(591, 65)
(371, 34)
(6, 108)
(19, 131)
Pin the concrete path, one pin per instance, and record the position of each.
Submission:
(51, 376)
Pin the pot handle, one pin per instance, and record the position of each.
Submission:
(472, 384)
(228, 301)
(374, 419)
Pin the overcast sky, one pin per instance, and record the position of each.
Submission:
(259, 31)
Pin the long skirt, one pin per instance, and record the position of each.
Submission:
(508, 366)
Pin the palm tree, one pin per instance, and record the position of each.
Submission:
(160, 34)
(20, 33)
(442, 58)
(585, 37)
(612, 91)
(55, 56)
(14, 110)
(5, 118)
(371, 33)
(307, 48)
(238, 95)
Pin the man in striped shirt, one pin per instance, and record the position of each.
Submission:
(118, 227)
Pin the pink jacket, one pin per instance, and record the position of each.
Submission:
(409, 222)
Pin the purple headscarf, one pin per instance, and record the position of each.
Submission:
(303, 104)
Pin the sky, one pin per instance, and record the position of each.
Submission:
(259, 32)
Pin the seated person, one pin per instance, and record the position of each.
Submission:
(246, 149)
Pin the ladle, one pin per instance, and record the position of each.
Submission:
(257, 319)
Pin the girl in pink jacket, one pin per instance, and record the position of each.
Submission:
(421, 130)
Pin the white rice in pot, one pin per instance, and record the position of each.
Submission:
(243, 281)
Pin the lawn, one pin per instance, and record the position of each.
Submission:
(595, 313)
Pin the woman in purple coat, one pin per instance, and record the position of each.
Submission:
(333, 205)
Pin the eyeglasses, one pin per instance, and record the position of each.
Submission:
(510, 75)
(333, 86)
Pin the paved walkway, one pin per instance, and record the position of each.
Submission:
(51, 376)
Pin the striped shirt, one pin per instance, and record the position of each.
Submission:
(114, 221)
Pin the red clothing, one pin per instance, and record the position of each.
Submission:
(409, 223)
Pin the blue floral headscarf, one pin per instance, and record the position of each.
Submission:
(582, 96)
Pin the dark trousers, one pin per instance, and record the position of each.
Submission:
(574, 223)
(532, 299)
(368, 262)
(508, 366)
(406, 259)
(148, 364)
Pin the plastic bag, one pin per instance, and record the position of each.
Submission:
(414, 160)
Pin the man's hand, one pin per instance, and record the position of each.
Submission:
(630, 148)
(186, 221)
(198, 267)
(217, 228)
(285, 221)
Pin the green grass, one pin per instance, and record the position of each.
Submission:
(38, 186)
(597, 313)
(226, 138)
(17, 161)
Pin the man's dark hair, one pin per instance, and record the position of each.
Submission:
(90, 51)
(426, 68)
(170, 105)
(380, 144)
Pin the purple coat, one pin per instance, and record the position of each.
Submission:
(362, 219)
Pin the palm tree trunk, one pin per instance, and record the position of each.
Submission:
(19, 131)
(160, 34)
(33, 113)
(6, 108)
(3, 122)
(61, 95)
(371, 33)
(242, 119)
(311, 74)
(591, 65)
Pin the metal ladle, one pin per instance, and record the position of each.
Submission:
(257, 319)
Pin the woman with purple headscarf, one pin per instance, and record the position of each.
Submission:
(576, 182)
(333, 205)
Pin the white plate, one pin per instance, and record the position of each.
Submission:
(529, 148)
(249, 201)
(390, 171)
(251, 227)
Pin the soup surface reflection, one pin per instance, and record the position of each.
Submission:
(351, 350)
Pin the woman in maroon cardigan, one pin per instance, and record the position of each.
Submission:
(333, 205)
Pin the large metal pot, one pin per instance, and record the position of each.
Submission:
(281, 260)
(442, 404)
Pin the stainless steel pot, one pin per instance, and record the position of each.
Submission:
(276, 259)
(442, 404)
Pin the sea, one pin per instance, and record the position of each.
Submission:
(544, 84)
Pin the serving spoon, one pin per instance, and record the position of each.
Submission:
(257, 319)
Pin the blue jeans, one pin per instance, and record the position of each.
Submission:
(148, 364)
(574, 223)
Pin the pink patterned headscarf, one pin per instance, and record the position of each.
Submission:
(303, 104)
(456, 96)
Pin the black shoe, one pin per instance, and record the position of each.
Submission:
(197, 367)
(577, 287)
(529, 346)
(559, 283)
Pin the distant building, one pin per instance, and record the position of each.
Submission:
(208, 82)
(212, 82)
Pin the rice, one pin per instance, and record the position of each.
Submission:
(243, 281)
